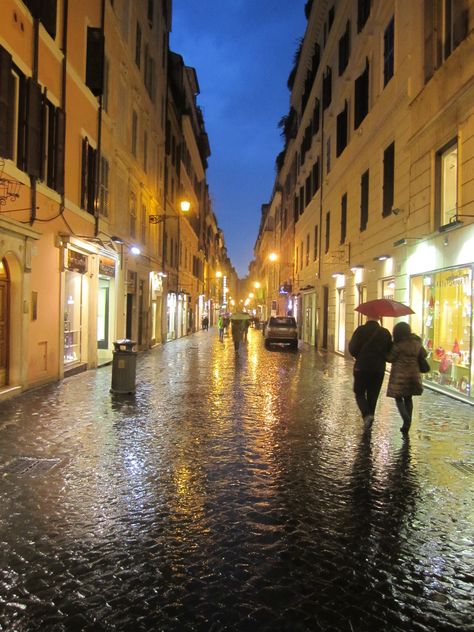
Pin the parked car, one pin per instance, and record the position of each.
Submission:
(281, 329)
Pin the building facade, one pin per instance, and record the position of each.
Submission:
(375, 178)
(101, 139)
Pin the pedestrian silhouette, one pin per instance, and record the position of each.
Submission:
(369, 345)
(405, 377)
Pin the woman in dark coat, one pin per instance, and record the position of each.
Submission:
(405, 377)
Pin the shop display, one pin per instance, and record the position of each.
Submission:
(446, 324)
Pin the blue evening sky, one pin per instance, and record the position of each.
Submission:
(243, 52)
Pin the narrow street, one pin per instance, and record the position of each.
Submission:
(233, 492)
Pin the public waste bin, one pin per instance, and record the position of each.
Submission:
(124, 367)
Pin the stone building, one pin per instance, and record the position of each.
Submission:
(101, 139)
(376, 178)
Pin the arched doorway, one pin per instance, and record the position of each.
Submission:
(4, 321)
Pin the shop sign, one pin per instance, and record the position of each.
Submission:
(107, 266)
(337, 256)
(76, 261)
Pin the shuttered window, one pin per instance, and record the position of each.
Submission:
(7, 94)
(343, 218)
(388, 179)
(344, 48)
(388, 51)
(364, 200)
(361, 96)
(33, 128)
(341, 138)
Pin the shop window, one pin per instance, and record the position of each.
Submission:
(388, 51)
(447, 183)
(445, 301)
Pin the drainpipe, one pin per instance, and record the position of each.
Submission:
(99, 132)
(63, 97)
(33, 179)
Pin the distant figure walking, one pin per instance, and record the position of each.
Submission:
(405, 377)
(205, 323)
(246, 329)
(220, 327)
(237, 330)
(369, 345)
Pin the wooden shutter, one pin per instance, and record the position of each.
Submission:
(33, 128)
(6, 104)
(460, 21)
(60, 150)
(48, 16)
(95, 61)
(84, 171)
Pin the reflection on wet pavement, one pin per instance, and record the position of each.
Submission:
(233, 492)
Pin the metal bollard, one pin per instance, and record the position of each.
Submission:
(124, 365)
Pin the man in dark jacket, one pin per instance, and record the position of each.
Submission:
(369, 345)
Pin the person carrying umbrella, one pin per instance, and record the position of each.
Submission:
(238, 323)
(369, 345)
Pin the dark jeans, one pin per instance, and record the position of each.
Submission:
(367, 387)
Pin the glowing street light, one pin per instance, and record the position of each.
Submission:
(185, 205)
(273, 256)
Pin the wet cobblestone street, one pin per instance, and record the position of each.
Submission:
(233, 492)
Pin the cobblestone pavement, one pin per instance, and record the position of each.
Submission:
(233, 492)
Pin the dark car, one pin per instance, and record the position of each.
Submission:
(281, 329)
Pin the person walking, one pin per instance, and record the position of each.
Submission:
(205, 322)
(369, 345)
(237, 330)
(246, 329)
(405, 377)
(220, 327)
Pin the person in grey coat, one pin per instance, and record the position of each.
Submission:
(405, 377)
(369, 345)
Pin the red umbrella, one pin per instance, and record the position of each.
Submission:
(384, 307)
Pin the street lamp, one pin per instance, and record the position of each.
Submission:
(184, 205)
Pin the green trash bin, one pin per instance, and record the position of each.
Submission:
(124, 367)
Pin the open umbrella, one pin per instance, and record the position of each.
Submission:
(384, 307)
(240, 316)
